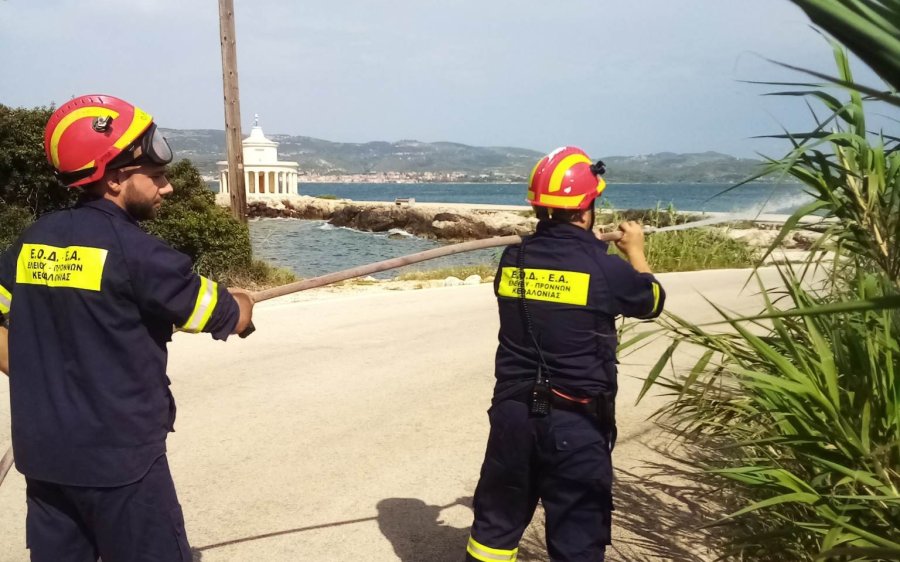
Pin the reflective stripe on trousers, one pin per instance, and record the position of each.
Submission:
(488, 554)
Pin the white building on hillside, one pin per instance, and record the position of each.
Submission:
(264, 174)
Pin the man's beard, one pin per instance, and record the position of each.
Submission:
(140, 210)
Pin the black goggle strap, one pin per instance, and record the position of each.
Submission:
(150, 147)
(155, 146)
(68, 178)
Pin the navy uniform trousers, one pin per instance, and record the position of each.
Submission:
(138, 522)
(564, 460)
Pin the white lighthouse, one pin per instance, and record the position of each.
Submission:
(264, 175)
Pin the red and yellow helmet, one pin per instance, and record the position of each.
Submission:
(565, 179)
(86, 134)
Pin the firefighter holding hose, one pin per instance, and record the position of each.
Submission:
(91, 301)
(553, 412)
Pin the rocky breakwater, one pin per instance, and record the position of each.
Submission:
(297, 207)
(427, 221)
(432, 222)
(467, 222)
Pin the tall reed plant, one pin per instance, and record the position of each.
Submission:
(870, 29)
(801, 416)
(798, 408)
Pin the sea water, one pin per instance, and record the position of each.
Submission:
(311, 248)
(699, 197)
(314, 247)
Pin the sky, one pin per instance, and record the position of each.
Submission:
(615, 78)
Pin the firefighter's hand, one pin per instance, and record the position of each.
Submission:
(632, 241)
(632, 245)
(245, 304)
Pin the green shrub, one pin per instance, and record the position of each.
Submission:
(13, 220)
(191, 222)
(326, 196)
(26, 179)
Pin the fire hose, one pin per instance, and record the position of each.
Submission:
(314, 282)
(6, 463)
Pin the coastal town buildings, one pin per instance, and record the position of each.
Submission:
(385, 177)
(264, 175)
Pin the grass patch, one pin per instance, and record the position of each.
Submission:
(485, 270)
(683, 250)
(260, 275)
(659, 217)
(326, 196)
(695, 250)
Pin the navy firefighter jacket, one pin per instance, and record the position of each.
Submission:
(574, 291)
(92, 300)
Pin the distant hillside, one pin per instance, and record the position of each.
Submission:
(663, 167)
(320, 157)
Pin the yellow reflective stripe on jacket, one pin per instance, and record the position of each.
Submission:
(5, 300)
(488, 554)
(655, 297)
(207, 298)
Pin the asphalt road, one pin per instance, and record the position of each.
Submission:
(352, 427)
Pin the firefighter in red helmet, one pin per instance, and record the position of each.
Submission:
(553, 411)
(91, 301)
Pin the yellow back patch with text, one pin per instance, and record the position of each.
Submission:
(552, 285)
(75, 267)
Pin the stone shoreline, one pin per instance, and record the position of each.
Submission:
(462, 222)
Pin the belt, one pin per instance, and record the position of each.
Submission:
(562, 401)
(601, 407)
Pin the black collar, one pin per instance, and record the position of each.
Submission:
(106, 206)
(553, 229)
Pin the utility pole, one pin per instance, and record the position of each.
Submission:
(233, 137)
